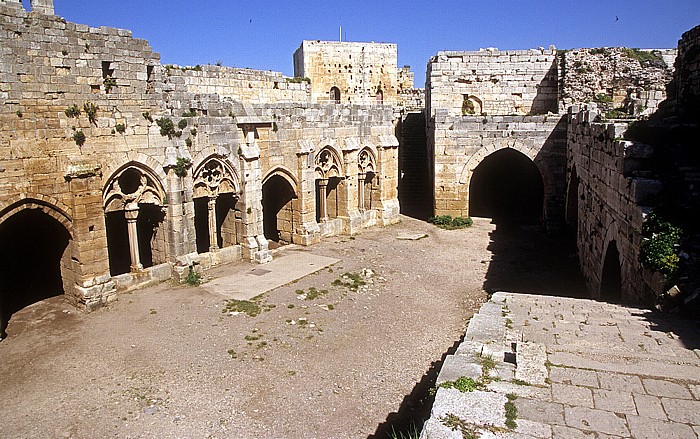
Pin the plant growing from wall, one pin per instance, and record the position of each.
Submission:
(182, 124)
(120, 127)
(193, 132)
(72, 111)
(658, 251)
(167, 127)
(79, 138)
(298, 79)
(193, 278)
(181, 166)
(19, 113)
(91, 110)
(188, 142)
(467, 106)
(190, 113)
(109, 83)
(147, 115)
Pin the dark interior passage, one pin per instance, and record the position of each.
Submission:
(225, 208)
(415, 186)
(32, 244)
(117, 243)
(150, 217)
(201, 224)
(507, 186)
(277, 193)
(611, 282)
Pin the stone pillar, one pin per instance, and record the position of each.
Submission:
(211, 214)
(253, 245)
(308, 231)
(361, 191)
(322, 195)
(132, 213)
(42, 6)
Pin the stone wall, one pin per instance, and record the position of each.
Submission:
(688, 72)
(617, 78)
(493, 82)
(176, 160)
(359, 71)
(459, 144)
(608, 194)
(254, 86)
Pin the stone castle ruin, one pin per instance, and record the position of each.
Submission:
(118, 170)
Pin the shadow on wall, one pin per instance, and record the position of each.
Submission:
(547, 97)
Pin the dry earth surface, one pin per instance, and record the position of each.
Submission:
(168, 361)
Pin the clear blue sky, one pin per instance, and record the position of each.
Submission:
(263, 34)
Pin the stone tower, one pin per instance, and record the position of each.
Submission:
(42, 6)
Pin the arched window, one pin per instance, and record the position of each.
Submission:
(334, 94)
(380, 96)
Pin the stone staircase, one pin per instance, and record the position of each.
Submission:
(414, 186)
(552, 367)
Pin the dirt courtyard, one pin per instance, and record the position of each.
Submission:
(170, 361)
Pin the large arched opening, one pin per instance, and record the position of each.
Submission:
(611, 279)
(278, 210)
(507, 186)
(33, 248)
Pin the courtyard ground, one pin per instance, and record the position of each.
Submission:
(355, 361)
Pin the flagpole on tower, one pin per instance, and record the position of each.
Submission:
(341, 30)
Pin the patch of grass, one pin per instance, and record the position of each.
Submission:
(290, 306)
(455, 423)
(120, 127)
(153, 311)
(353, 281)
(411, 432)
(245, 306)
(463, 384)
(520, 382)
(252, 337)
(511, 411)
(315, 294)
(509, 324)
(232, 353)
(448, 223)
(330, 307)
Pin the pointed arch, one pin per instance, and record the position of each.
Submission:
(367, 160)
(285, 173)
(328, 163)
(48, 205)
(214, 176)
(133, 182)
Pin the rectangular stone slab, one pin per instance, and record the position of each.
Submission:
(285, 268)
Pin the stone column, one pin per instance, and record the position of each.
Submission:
(323, 207)
(361, 191)
(132, 213)
(211, 214)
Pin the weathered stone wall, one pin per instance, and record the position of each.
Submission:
(607, 198)
(493, 82)
(687, 76)
(254, 86)
(617, 78)
(358, 70)
(167, 146)
(459, 144)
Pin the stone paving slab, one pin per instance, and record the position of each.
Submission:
(286, 267)
(573, 368)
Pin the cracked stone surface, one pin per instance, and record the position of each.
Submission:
(583, 369)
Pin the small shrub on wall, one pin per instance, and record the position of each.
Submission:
(659, 248)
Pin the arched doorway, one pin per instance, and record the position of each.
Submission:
(507, 186)
(278, 211)
(611, 280)
(32, 251)
(334, 94)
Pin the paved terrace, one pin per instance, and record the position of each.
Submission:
(551, 367)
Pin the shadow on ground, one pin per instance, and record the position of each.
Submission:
(415, 407)
(526, 259)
